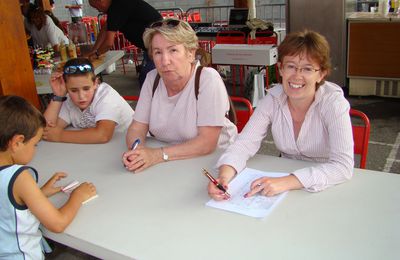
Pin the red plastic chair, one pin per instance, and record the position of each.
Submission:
(233, 37)
(132, 100)
(361, 136)
(266, 37)
(206, 45)
(242, 115)
(196, 17)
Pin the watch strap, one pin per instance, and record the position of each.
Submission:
(58, 98)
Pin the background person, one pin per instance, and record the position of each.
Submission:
(96, 108)
(309, 120)
(129, 17)
(23, 204)
(193, 126)
(43, 30)
(75, 10)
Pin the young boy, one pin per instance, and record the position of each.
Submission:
(23, 205)
(97, 109)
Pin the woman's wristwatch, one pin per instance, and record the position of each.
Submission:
(164, 155)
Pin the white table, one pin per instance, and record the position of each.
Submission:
(109, 58)
(160, 213)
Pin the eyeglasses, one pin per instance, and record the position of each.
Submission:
(170, 23)
(76, 69)
(290, 69)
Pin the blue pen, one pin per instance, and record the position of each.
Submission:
(135, 144)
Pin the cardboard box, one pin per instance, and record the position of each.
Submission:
(245, 54)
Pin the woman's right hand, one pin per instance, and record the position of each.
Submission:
(226, 174)
(57, 84)
(84, 191)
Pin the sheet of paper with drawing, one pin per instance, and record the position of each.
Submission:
(257, 206)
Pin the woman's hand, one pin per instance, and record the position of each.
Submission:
(226, 174)
(48, 188)
(57, 84)
(269, 186)
(141, 158)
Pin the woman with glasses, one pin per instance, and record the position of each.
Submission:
(80, 101)
(309, 120)
(192, 121)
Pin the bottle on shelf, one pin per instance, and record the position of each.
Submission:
(63, 52)
(72, 50)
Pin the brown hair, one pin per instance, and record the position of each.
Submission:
(79, 62)
(18, 117)
(309, 43)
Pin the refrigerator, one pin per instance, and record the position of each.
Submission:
(327, 17)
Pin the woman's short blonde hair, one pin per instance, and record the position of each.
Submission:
(174, 30)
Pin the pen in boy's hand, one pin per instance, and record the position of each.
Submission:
(216, 183)
(135, 144)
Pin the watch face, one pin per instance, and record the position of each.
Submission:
(165, 156)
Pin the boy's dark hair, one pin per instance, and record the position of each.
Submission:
(78, 62)
(18, 117)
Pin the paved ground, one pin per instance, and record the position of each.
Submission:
(383, 155)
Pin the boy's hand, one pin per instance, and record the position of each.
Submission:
(48, 188)
(84, 191)
(57, 84)
(52, 133)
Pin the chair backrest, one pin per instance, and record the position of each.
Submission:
(132, 100)
(264, 37)
(231, 37)
(361, 136)
(243, 110)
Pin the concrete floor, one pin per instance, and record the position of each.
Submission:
(383, 154)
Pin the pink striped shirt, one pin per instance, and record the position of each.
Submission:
(325, 137)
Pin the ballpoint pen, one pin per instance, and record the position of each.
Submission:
(135, 144)
(216, 183)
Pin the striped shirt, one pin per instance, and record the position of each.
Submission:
(325, 137)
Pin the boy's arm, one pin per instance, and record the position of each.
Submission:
(26, 191)
(102, 133)
(53, 109)
(51, 114)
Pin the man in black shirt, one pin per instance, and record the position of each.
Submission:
(130, 17)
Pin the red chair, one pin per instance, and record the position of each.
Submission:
(132, 100)
(242, 115)
(266, 37)
(196, 17)
(361, 136)
(206, 45)
(233, 37)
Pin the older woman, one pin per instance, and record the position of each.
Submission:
(171, 110)
(43, 30)
(309, 119)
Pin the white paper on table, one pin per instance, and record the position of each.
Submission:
(257, 206)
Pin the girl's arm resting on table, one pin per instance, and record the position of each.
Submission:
(101, 133)
(26, 191)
